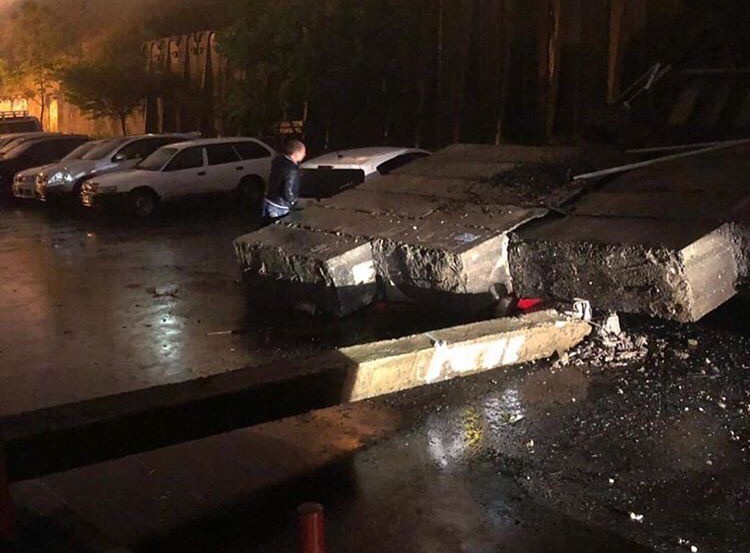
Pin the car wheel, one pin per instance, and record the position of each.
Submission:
(252, 192)
(143, 203)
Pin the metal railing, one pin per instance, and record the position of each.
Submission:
(13, 114)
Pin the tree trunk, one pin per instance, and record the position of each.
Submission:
(507, 38)
(42, 102)
(124, 124)
(553, 67)
(614, 70)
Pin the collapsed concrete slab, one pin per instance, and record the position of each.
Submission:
(453, 257)
(335, 276)
(438, 227)
(426, 259)
(667, 269)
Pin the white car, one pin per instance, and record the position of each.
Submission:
(197, 167)
(331, 173)
(25, 182)
(116, 154)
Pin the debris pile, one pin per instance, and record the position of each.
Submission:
(608, 345)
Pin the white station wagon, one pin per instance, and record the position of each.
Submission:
(197, 167)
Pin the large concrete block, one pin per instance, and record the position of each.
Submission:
(444, 264)
(667, 269)
(334, 274)
(436, 259)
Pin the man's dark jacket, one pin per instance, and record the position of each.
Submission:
(283, 184)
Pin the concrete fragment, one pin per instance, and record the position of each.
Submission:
(386, 367)
(445, 264)
(436, 259)
(335, 275)
(660, 268)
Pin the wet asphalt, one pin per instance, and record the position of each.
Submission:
(597, 452)
(94, 304)
(602, 450)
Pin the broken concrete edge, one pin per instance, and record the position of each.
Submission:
(672, 271)
(35, 498)
(435, 253)
(348, 374)
(461, 351)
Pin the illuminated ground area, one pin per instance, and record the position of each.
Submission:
(95, 306)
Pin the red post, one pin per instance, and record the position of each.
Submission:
(7, 508)
(312, 534)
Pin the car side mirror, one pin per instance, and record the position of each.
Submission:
(120, 157)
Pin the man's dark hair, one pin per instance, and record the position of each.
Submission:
(293, 146)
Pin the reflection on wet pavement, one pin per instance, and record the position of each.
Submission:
(572, 457)
(92, 307)
(583, 456)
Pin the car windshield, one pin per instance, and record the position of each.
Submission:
(103, 150)
(81, 151)
(11, 146)
(13, 149)
(7, 140)
(324, 182)
(157, 160)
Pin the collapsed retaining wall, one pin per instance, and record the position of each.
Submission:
(437, 230)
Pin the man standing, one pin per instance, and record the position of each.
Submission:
(283, 184)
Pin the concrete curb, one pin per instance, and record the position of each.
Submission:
(295, 386)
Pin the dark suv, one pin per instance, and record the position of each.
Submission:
(33, 153)
(18, 121)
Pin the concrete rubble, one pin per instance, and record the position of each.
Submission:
(437, 230)
(659, 268)
(658, 241)
(450, 229)
(302, 266)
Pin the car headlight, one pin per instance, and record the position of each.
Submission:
(61, 177)
(94, 188)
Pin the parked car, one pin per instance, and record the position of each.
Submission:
(6, 139)
(18, 121)
(119, 154)
(25, 182)
(33, 153)
(197, 167)
(331, 173)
